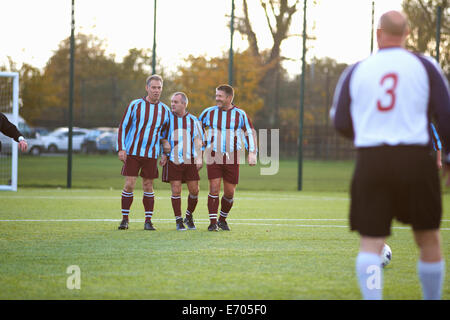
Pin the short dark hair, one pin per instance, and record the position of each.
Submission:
(227, 89)
(154, 77)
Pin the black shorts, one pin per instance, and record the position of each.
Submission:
(394, 182)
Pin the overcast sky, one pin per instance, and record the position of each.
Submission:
(31, 30)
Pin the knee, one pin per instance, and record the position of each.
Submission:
(228, 191)
(428, 239)
(129, 184)
(176, 192)
(228, 195)
(429, 243)
(194, 192)
(214, 189)
(371, 244)
(128, 188)
(175, 186)
(147, 186)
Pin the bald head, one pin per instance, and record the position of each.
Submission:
(393, 23)
(392, 29)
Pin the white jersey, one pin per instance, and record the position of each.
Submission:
(385, 99)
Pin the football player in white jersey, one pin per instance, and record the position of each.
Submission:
(385, 104)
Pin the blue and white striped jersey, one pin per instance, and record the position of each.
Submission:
(182, 133)
(226, 129)
(140, 129)
(388, 98)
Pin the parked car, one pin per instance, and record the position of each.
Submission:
(107, 141)
(35, 142)
(90, 142)
(57, 140)
(42, 131)
(34, 139)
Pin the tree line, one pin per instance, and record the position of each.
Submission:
(104, 87)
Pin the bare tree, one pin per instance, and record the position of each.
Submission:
(278, 14)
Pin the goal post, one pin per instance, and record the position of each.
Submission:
(9, 104)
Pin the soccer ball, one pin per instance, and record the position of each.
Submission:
(386, 255)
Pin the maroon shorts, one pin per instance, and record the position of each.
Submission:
(180, 172)
(229, 172)
(147, 166)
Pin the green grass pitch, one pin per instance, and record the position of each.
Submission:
(284, 244)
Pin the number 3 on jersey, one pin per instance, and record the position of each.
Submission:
(390, 91)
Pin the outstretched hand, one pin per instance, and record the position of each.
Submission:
(23, 145)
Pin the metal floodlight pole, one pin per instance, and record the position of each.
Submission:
(373, 23)
(302, 98)
(71, 85)
(154, 40)
(230, 60)
(438, 31)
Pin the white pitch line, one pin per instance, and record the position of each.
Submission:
(206, 221)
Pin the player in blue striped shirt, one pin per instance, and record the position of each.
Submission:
(183, 159)
(138, 146)
(226, 125)
(437, 145)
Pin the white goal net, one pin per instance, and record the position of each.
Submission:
(9, 104)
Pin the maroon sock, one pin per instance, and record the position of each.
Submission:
(192, 203)
(149, 202)
(225, 207)
(213, 206)
(127, 200)
(176, 205)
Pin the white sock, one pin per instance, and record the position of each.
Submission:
(370, 275)
(431, 276)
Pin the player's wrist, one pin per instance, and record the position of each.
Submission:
(21, 138)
